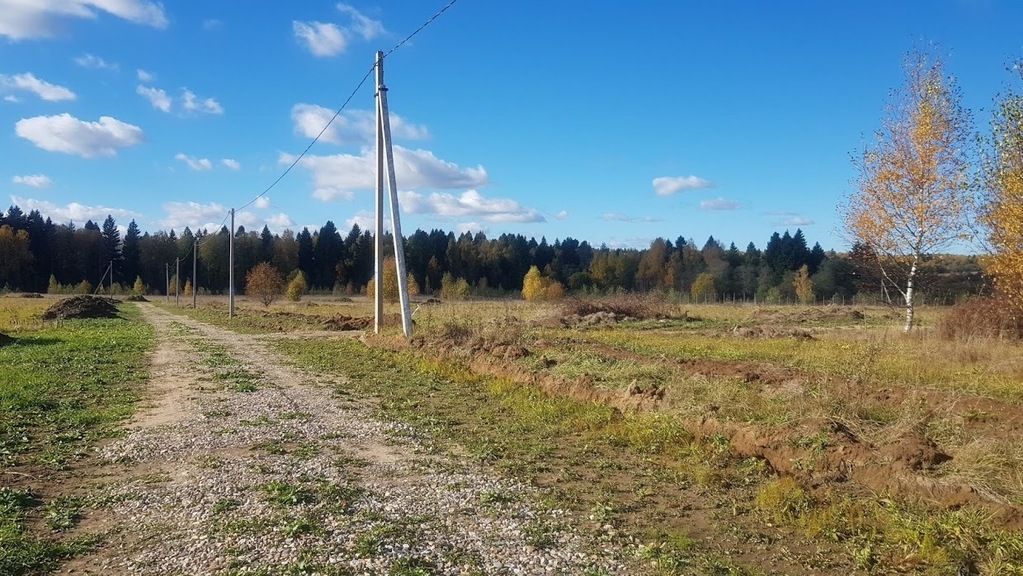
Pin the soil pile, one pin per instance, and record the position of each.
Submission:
(5, 340)
(136, 298)
(82, 307)
(343, 323)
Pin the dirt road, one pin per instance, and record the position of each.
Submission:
(241, 464)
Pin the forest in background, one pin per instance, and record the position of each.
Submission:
(41, 256)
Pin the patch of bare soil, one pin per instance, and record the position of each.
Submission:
(5, 339)
(342, 322)
(83, 306)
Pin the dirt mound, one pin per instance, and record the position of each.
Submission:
(31, 295)
(817, 315)
(82, 307)
(770, 332)
(136, 298)
(594, 312)
(5, 340)
(343, 323)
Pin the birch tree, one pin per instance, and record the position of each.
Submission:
(913, 197)
(1003, 210)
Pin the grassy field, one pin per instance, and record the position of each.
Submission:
(64, 386)
(714, 435)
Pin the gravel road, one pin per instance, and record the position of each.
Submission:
(241, 464)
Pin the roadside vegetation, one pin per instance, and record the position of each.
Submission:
(64, 386)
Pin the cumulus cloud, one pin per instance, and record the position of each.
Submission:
(192, 103)
(144, 76)
(67, 134)
(196, 216)
(21, 20)
(470, 227)
(619, 217)
(10, 98)
(29, 83)
(789, 219)
(562, 215)
(329, 39)
(93, 61)
(719, 204)
(670, 185)
(33, 180)
(231, 164)
(73, 212)
(263, 202)
(364, 219)
(362, 25)
(158, 98)
(320, 38)
(198, 164)
(341, 175)
(355, 127)
(469, 203)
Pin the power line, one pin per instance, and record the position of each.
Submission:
(345, 104)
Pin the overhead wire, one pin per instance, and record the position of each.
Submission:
(362, 82)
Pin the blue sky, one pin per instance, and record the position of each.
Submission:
(609, 122)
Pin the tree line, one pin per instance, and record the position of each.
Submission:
(40, 255)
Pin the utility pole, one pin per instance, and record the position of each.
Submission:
(384, 137)
(195, 284)
(177, 280)
(166, 269)
(378, 261)
(230, 265)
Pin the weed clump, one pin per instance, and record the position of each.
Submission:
(989, 317)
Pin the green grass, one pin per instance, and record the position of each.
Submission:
(62, 388)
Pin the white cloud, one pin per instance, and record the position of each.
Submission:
(93, 61)
(158, 98)
(470, 227)
(33, 180)
(320, 38)
(364, 219)
(562, 215)
(719, 204)
(29, 83)
(278, 222)
(194, 215)
(329, 39)
(619, 217)
(341, 175)
(144, 76)
(669, 185)
(10, 98)
(626, 243)
(355, 127)
(361, 24)
(231, 164)
(73, 212)
(24, 19)
(469, 203)
(198, 164)
(193, 104)
(263, 202)
(67, 134)
(782, 218)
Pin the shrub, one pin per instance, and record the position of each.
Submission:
(988, 317)
(264, 283)
(297, 287)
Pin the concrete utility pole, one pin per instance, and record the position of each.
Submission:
(378, 260)
(384, 139)
(177, 280)
(195, 284)
(167, 273)
(230, 289)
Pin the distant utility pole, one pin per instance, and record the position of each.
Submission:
(230, 265)
(195, 283)
(177, 280)
(385, 158)
(167, 272)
